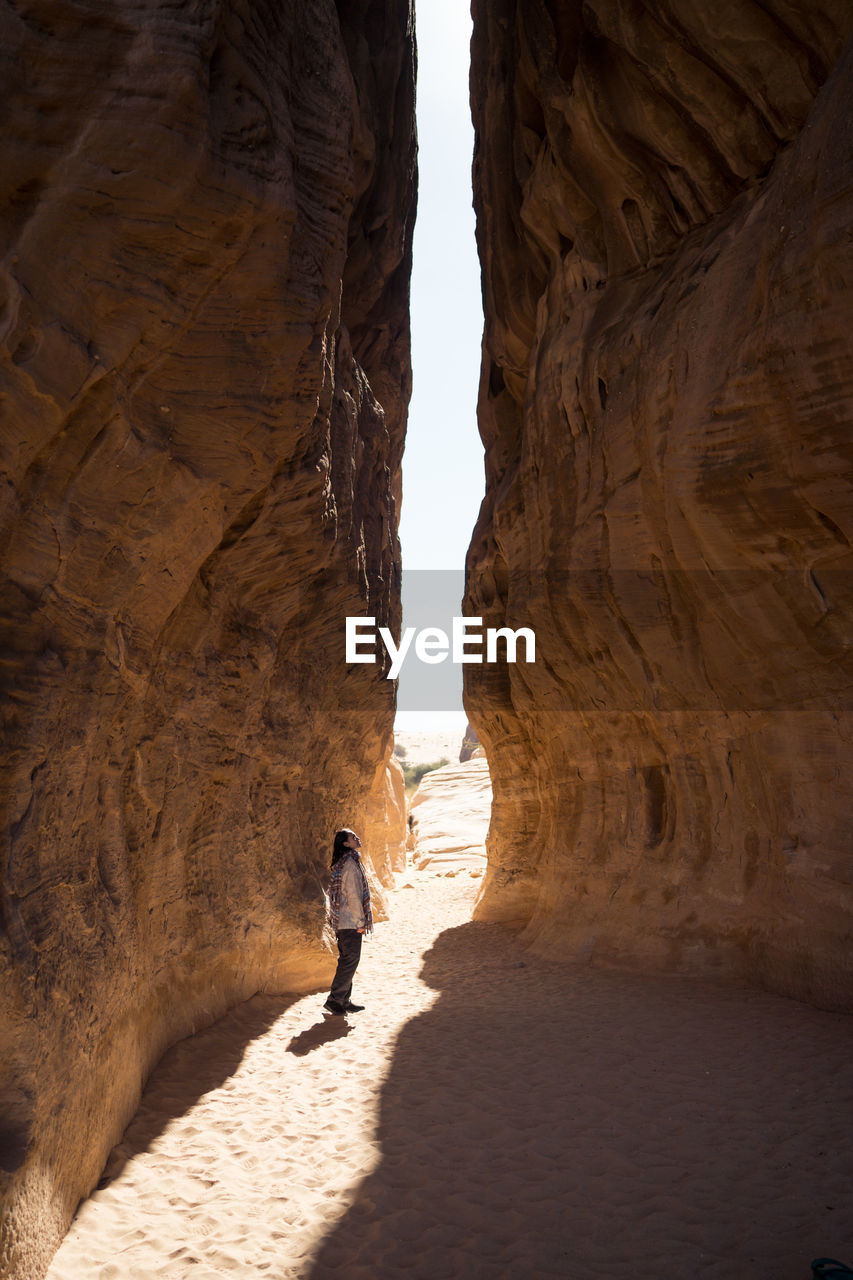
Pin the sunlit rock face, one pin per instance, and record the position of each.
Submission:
(204, 371)
(664, 197)
(385, 828)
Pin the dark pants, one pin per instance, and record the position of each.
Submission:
(349, 954)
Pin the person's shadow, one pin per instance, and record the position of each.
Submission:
(542, 1120)
(322, 1032)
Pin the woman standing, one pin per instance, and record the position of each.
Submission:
(350, 917)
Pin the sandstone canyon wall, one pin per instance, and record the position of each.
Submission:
(206, 233)
(664, 193)
(385, 823)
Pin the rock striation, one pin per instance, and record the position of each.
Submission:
(385, 827)
(450, 818)
(206, 219)
(664, 193)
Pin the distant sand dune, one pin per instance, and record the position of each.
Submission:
(426, 748)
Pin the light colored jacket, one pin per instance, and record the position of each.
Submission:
(351, 915)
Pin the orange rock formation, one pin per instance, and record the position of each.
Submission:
(664, 193)
(385, 826)
(206, 217)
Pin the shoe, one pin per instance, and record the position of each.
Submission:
(335, 1009)
(349, 1007)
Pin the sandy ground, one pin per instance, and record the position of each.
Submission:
(488, 1115)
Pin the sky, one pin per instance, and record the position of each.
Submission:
(443, 478)
(443, 461)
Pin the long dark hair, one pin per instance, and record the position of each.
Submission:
(339, 848)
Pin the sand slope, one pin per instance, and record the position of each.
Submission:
(489, 1115)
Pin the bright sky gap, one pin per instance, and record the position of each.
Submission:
(443, 478)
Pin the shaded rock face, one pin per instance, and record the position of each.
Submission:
(470, 743)
(663, 196)
(206, 218)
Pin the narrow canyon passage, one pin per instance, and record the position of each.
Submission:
(488, 1115)
(208, 324)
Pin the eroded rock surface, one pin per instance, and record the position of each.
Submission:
(470, 744)
(385, 828)
(206, 225)
(450, 817)
(664, 194)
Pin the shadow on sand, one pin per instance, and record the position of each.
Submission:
(322, 1032)
(190, 1069)
(548, 1121)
